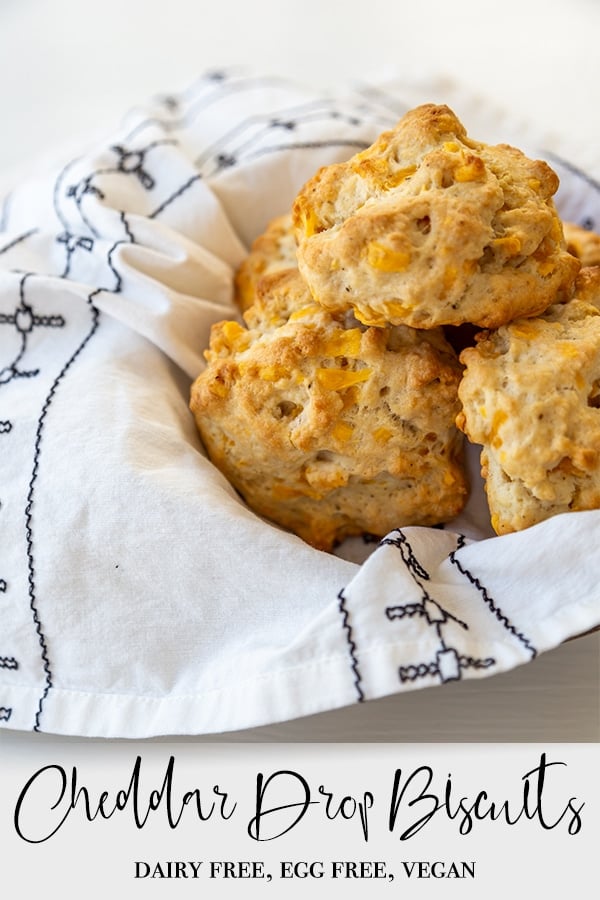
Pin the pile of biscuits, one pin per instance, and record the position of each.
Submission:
(339, 407)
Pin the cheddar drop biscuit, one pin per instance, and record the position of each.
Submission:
(330, 428)
(531, 397)
(428, 227)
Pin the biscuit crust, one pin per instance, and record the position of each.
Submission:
(531, 397)
(428, 227)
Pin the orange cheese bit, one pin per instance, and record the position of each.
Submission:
(227, 336)
(338, 379)
(273, 373)
(378, 170)
(385, 259)
(498, 419)
(344, 343)
(342, 431)
(472, 169)
(382, 435)
(511, 244)
(304, 311)
(308, 218)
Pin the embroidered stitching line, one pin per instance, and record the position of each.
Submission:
(24, 320)
(56, 194)
(5, 426)
(242, 151)
(129, 233)
(351, 645)
(8, 662)
(308, 145)
(287, 118)
(18, 240)
(448, 663)
(29, 512)
(5, 713)
(72, 242)
(36, 462)
(181, 190)
(129, 162)
(489, 601)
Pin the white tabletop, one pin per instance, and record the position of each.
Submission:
(68, 70)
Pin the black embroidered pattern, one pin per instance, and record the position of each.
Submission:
(95, 313)
(30, 506)
(8, 662)
(351, 645)
(287, 119)
(24, 320)
(448, 663)
(489, 601)
(5, 426)
(5, 713)
(131, 161)
(18, 240)
(72, 242)
(261, 127)
(181, 190)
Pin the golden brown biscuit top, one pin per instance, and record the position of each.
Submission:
(429, 227)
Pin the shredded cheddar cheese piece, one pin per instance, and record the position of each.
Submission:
(342, 431)
(273, 373)
(304, 311)
(382, 435)
(511, 244)
(346, 343)
(385, 259)
(338, 379)
(473, 169)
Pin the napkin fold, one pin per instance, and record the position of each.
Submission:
(138, 594)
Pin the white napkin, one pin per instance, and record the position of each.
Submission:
(138, 595)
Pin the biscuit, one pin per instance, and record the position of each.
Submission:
(272, 253)
(531, 398)
(582, 243)
(428, 227)
(330, 428)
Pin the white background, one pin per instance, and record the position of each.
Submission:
(69, 70)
